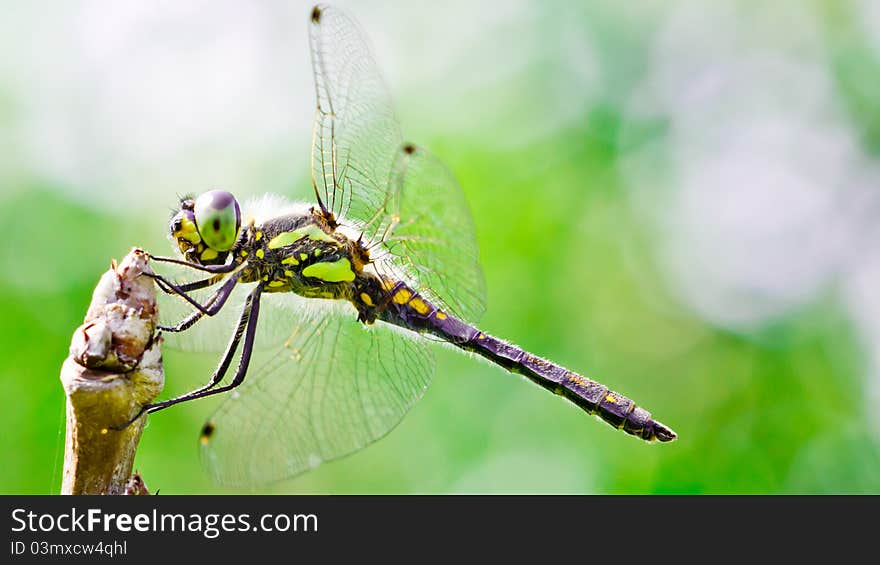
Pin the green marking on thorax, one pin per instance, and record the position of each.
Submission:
(283, 239)
(312, 231)
(337, 271)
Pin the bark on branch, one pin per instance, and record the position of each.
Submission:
(114, 367)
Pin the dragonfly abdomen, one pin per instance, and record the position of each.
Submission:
(408, 309)
(593, 397)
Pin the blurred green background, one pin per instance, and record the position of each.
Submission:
(679, 199)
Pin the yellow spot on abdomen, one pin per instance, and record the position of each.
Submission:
(577, 379)
(610, 398)
(258, 236)
(365, 298)
(402, 296)
(288, 273)
(276, 284)
(303, 256)
(260, 253)
(419, 306)
(440, 315)
(290, 261)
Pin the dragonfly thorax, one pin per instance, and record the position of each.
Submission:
(297, 253)
(300, 252)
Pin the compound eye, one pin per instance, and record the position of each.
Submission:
(218, 219)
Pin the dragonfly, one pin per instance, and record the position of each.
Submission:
(332, 306)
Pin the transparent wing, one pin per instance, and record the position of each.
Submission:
(364, 173)
(355, 132)
(431, 238)
(332, 388)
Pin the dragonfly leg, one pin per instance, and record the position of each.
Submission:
(167, 285)
(179, 289)
(227, 268)
(247, 326)
(195, 285)
(212, 306)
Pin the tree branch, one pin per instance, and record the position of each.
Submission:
(114, 367)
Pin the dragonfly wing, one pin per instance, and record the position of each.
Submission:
(432, 240)
(332, 388)
(355, 132)
(363, 172)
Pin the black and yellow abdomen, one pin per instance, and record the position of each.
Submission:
(410, 310)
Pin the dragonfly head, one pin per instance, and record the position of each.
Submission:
(206, 229)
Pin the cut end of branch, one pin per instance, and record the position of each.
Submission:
(114, 368)
(121, 319)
